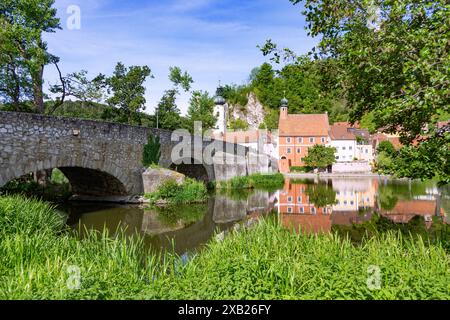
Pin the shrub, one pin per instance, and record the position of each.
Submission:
(190, 191)
(152, 151)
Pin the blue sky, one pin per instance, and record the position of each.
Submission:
(211, 39)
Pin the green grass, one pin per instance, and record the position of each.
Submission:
(190, 191)
(255, 181)
(266, 262)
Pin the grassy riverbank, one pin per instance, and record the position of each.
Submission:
(39, 259)
(254, 181)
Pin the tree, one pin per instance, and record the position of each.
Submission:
(387, 147)
(180, 79)
(201, 108)
(15, 82)
(394, 61)
(22, 24)
(168, 113)
(320, 157)
(321, 194)
(127, 89)
(238, 125)
(78, 86)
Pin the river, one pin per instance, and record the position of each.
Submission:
(350, 207)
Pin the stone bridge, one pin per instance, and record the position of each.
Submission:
(102, 158)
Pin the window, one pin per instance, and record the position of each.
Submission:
(345, 202)
(289, 210)
(337, 157)
(323, 140)
(350, 148)
(299, 199)
(302, 210)
(312, 140)
(352, 202)
(344, 148)
(299, 150)
(325, 210)
(288, 140)
(313, 210)
(289, 150)
(367, 150)
(300, 140)
(289, 199)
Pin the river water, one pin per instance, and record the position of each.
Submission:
(350, 207)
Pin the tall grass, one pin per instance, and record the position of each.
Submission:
(266, 262)
(190, 191)
(254, 181)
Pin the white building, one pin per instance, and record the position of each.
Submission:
(344, 141)
(220, 112)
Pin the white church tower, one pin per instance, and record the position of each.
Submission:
(220, 112)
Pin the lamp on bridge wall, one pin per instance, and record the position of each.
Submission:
(76, 132)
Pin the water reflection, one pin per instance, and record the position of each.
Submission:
(181, 229)
(346, 206)
(323, 205)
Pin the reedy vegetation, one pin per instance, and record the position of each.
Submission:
(266, 262)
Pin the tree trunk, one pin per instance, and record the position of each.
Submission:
(38, 95)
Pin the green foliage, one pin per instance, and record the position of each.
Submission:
(393, 58)
(127, 88)
(238, 124)
(320, 157)
(22, 48)
(201, 108)
(236, 95)
(178, 78)
(168, 113)
(152, 151)
(187, 214)
(265, 262)
(384, 163)
(22, 216)
(387, 147)
(190, 191)
(301, 169)
(58, 177)
(321, 194)
(430, 159)
(254, 181)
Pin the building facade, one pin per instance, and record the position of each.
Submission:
(297, 133)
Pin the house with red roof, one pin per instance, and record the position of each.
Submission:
(296, 134)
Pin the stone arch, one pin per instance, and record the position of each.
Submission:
(85, 179)
(193, 169)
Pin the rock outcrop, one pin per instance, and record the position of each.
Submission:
(153, 178)
(253, 113)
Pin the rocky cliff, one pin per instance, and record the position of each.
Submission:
(252, 113)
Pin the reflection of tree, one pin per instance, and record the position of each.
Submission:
(416, 227)
(321, 194)
(186, 214)
(387, 198)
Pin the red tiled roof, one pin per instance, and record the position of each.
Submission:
(339, 131)
(306, 125)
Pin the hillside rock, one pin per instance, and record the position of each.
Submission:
(253, 113)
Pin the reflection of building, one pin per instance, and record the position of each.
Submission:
(296, 210)
(405, 210)
(297, 133)
(354, 195)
